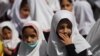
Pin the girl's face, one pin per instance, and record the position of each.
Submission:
(66, 5)
(30, 35)
(64, 28)
(24, 11)
(6, 33)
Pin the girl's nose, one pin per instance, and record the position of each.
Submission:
(67, 31)
(65, 7)
(29, 39)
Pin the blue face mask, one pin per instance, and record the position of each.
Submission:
(33, 45)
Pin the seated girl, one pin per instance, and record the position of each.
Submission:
(64, 39)
(33, 43)
(10, 37)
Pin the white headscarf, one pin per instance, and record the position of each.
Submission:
(41, 13)
(40, 49)
(94, 39)
(16, 19)
(84, 16)
(4, 6)
(54, 4)
(12, 43)
(55, 47)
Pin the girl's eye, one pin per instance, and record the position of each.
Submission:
(67, 5)
(26, 36)
(62, 6)
(69, 27)
(32, 36)
(26, 9)
(62, 27)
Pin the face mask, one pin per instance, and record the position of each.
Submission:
(33, 45)
(23, 20)
(6, 42)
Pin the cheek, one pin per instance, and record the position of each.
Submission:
(4, 36)
(31, 40)
(8, 36)
(70, 30)
(35, 39)
(24, 14)
(60, 31)
(70, 8)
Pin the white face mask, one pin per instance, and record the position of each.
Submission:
(6, 42)
(23, 20)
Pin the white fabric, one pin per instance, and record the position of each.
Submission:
(54, 4)
(40, 49)
(41, 13)
(4, 6)
(94, 39)
(16, 19)
(12, 43)
(97, 2)
(55, 47)
(16, 4)
(84, 16)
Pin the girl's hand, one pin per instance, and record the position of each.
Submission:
(65, 39)
(7, 51)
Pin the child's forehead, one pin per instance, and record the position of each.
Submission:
(25, 6)
(6, 28)
(65, 1)
(29, 30)
(64, 20)
(30, 26)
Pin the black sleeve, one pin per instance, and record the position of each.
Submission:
(71, 51)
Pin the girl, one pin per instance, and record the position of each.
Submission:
(20, 13)
(10, 37)
(64, 39)
(33, 43)
(94, 38)
(84, 17)
(82, 13)
(56, 5)
(66, 5)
